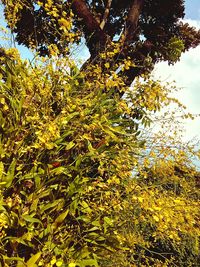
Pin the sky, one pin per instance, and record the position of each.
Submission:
(192, 9)
(186, 72)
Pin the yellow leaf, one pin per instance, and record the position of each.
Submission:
(107, 65)
(59, 263)
(53, 261)
(2, 101)
(60, 218)
(1, 169)
(69, 145)
(156, 218)
(49, 145)
(31, 262)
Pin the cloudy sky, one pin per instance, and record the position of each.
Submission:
(186, 73)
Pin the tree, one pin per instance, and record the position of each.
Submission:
(82, 183)
(146, 31)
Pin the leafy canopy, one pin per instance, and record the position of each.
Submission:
(147, 31)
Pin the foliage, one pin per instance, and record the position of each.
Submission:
(144, 30)
(68, 153)
(83, 180)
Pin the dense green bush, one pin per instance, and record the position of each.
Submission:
(69, 196)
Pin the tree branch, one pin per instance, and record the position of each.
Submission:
(106, 14)
(132, 21)
(95, 36)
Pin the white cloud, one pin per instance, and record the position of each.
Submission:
(192, 22)
(186, 73)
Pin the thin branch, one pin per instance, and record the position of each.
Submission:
(106, 14)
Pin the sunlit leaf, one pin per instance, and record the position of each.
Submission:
(31, 219)
(34, 258)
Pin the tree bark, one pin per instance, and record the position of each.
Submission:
(97, 39)
(94, 35)
(132, 21)
(106, 14)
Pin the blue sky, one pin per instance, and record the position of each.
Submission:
(192, 9)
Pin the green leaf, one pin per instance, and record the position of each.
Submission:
(1, 169)
(108, 131)
(63, 136)
(89, 262)
(44, 193)
(34, 205)
(69, 145)
(59, 170)
(86, 208)
(69, 117)
(50, 205)
(10, 173)
(20, 261)
(32, 261)
(78, 161)
(60, 218)
(117, 129)
(30, 219)
(108, 221)
(96, 223)
(11, 68)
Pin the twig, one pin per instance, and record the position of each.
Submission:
(106, 14)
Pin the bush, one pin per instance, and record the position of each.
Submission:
(69, 196)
